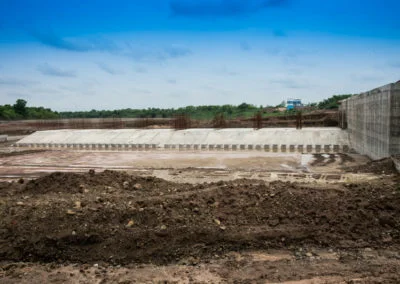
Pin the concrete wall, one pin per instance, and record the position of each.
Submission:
(268, 139)
(373, 121)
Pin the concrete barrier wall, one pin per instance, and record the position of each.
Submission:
(373, 121)
(195, 147)
(319, 140)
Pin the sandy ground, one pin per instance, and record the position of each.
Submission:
(190, 167)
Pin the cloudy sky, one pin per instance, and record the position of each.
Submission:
(102, 54)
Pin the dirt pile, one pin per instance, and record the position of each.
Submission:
(383, 166)
(106, 181)
(117, 218)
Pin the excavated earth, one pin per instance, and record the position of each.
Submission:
(112, 227)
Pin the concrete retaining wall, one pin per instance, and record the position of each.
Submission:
(320, 140)
(373, 121)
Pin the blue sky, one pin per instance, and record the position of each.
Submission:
(87, 54)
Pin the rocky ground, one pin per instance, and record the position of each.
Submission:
(114, 227)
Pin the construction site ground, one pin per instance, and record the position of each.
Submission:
(203, 217)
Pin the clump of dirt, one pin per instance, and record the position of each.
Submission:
(383, 166)
(345, 158)
(120, 219)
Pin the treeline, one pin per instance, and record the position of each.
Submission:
(195, 112)
(332, 102)
(20, 111)
(243, 110)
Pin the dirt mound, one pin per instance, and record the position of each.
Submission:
(110, 181)
(162, 222)
(383, 166)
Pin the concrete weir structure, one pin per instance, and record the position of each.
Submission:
(372, 120)
(316, 140)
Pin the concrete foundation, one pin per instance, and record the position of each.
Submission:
(372, 120)
(272, 139)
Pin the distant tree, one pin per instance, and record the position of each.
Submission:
(7, 112)
(332, 102)
(243, 106)
(282, 104)
(20, 108)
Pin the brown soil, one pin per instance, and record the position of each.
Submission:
(114, 218)
(383, 166)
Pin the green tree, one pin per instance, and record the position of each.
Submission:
(20, 108)
(332, 102)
